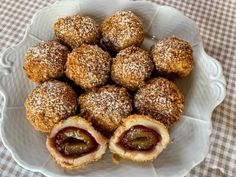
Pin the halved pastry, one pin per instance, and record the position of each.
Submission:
(74, 143)
(139, 138)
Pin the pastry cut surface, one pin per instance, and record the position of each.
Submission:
(74, 143)
(139, 138)
(121, 92)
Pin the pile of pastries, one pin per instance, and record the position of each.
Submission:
(98, 88)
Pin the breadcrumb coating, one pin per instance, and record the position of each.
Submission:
(121, 30)
(77, 30)
(88, 66)
(161, 99)
(106, 107)
(173, 57)
(49, 103)
(131, 68)
(45, 61)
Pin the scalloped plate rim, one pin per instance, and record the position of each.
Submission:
(33, 168)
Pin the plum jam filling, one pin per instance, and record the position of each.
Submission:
(139, 138)
(75, 142)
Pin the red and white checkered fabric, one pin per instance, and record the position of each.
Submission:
(216, 20)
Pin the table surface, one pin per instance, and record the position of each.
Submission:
(216, 20)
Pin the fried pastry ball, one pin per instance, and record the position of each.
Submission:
(161, 99)
(131, 68)
(139, 138)
(173, 57)
(45, 61)
(74, 143)
(77, 30)
(49, 103)
(88, 66)
(121, 30)
(106, 107)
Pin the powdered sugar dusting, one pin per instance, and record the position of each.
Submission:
(88, 66)
(77, 30)
(51, 54)
(160, 99)
(122, 29)
(110, 102)
(52, 99)
(173, 56)
(132, 67)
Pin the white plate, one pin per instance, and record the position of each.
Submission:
(204, 89)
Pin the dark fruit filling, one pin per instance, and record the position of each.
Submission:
(139, 138)
(75, 142)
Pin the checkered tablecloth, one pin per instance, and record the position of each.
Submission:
(217, 23)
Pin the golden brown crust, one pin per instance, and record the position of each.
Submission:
(106, 107)
(77, 30)
(173, 57)
(139, 156)
(82, 161)
(161, 99)
(88, 66)
(45, 61)
(49, 103)
(131, 68)
(121, 30)
(71, 166)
